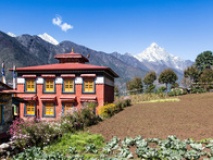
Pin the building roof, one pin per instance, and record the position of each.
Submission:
(71, 57)
(68, 62)
(4, 86)
(66, 67)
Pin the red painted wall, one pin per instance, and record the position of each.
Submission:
(104, 93)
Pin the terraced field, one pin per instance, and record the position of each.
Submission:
(191, 117)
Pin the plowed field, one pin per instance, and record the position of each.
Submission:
(191, 117)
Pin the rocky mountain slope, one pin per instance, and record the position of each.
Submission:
(27, 50)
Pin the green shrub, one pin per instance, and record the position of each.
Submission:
(197, 90)
(150, 88)
(72, 122)
(122, 103)
(161, 92)
(106, 111)
(32, 133)
(89, 116)
(110, 109)
(177, 92)
(72, 144)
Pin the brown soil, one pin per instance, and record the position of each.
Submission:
(191, 117)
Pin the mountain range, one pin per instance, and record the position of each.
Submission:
(28, 50)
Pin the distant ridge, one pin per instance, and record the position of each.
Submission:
(11, 34)
(28, 50)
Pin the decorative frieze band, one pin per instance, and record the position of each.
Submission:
(78, 80)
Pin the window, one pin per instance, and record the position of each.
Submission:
(30, 85)
(89, 86)
(49, 85)
(30, 109)
(68, 107)
(68, 85)
(49, 109)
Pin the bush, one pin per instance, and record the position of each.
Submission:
(198, 90)
(177, 92)
(150, 88)
(89, 116)
(32, 133)
(80, 119)
(122, 103)
(106, 111)
(161, 92)
(110, 109)
(71, 122)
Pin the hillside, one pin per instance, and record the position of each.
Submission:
(27, 50)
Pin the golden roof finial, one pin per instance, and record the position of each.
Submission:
(72, 50)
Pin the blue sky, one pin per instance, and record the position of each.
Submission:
(183, 27)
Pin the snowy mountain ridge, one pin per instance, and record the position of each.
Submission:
(48, 38)
(159, 56)
(11, 34)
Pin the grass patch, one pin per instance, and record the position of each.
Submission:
(163, 100)
(140, 98)
(152, 98)
(79, 141)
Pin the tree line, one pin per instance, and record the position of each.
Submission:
(198, 77)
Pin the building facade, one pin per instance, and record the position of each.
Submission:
(55, 89)
(6, 110)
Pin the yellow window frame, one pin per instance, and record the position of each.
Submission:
(30, 108)
(89, 86)
(30, 85)
(49, 85)
(49, 109)
(68, 85)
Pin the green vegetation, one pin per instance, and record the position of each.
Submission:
(204, 61)
(36, 133)
(167, 76)
(110, 109)
(81, 143)
(152, 98)
(199, 77)
(91, 147)
(136, 84)
(140, 98)
(148, 80)
(163, 100)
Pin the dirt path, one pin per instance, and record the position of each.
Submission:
(192, 117)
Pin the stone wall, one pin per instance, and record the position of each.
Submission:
(7, 115)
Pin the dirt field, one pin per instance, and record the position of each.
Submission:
(191, 117)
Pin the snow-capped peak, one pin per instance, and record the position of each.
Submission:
(11, 34)
(48, 38)
(154, 53)
(158, 55)
(154, 45)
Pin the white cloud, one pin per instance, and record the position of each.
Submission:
(63, 25)
(66, 26)
(57, 21)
